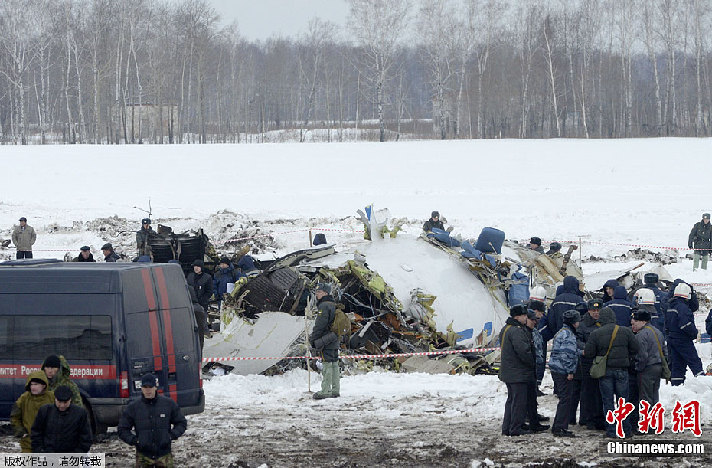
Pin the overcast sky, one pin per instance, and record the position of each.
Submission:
(260, 19)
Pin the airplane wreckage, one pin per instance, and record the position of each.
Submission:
(402, 294)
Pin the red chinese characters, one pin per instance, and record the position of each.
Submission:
(686, 417)
(651, 418)
(618, 415)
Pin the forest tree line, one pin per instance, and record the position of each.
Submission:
(157, 71)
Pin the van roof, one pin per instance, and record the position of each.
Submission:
(55, 277)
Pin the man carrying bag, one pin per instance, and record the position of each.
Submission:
(612, 347)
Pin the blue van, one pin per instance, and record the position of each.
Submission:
(113, 322)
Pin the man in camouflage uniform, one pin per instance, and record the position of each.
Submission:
(57, 370)
(142, 236)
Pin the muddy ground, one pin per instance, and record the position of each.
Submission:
(344, 433)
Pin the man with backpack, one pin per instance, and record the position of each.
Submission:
(326, 342)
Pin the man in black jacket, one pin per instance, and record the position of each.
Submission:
(326, 342)
(623, 349)
(109, 255)
(85, 255)
(700, 239)
(433, 222)
(591, 406)
(517, 369)
(152, 417)
(201, 282)
(61, 427)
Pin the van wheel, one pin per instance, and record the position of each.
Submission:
(97, 429)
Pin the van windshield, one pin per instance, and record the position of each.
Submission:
(77, 337)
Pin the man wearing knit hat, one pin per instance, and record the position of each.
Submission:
(516, 370)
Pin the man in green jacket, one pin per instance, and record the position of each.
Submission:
(326, 342)
(24, 411)
(57, 370)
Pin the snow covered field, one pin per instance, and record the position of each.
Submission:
(613, 193)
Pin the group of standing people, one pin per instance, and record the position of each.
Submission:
(49, 417)
(634, 339)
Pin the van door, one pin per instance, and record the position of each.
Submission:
(144, 343)
(179, 336)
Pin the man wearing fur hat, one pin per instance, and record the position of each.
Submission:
(516, 370)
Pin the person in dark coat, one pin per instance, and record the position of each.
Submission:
(516, 370)
(85, 255)
(682, 332)
(326, 342)
(433, 222)
(567, 299)
(648, 361)
(533, 415)
(621, 306)
(201, 317)
(109, 255)
(150, 423)
(577, 382)
(623, 350)
(539, 310)
(650, 281)
(535, 244)
(201, 282)
(700, 239)
(226, 273)
(142, 237)
(61, 427)
(591, 414)
(608, 289)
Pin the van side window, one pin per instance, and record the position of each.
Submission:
(5, 335)
(77, 337)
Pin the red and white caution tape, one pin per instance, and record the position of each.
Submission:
(352, 356)
(619, 244)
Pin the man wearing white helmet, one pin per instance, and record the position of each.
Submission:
(680, 324)
(644, 299)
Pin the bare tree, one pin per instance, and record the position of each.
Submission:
(378, 25)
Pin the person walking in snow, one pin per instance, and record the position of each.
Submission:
(648, 362)
(700, 239)
(517, 368)
(326, 342)
(150, 424)
(24, 237)
(61, 427)
(681, 334)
